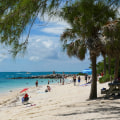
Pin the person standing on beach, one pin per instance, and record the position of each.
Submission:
(86, 77)
(48, 82)
(36, 83)
(60, 80)
(89, 78)
(74, 79)
(79, 80)
(63, 80)
(102, 73)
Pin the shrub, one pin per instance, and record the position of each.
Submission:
(81, 73)
(105, 78)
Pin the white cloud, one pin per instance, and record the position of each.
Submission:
(53, 25)
(34, 58)
(99, 59)
(54, 30)
(3, 52)
(52, 19)
(43, 47)
(38, 40)
(47, 43)
(48, 50)
(2, 57)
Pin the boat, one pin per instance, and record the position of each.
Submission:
(28, 73)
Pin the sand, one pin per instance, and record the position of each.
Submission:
(64, 102)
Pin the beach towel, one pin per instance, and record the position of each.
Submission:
(31, 105)
(87, 84)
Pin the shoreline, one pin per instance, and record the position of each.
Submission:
(31, 86)
(9, 96)
(41, 82)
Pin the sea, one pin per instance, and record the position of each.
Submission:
(7, 84)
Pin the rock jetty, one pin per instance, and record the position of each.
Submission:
(52, 76)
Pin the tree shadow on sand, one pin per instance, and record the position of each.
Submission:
(104, 107)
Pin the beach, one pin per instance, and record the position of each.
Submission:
(63, 102)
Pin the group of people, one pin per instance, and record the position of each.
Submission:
(87, 79)
(48, 89)
(25, 98)
(74, 79)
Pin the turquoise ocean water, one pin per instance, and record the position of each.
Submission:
(7, 84)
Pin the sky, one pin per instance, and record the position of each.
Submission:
(44, 51)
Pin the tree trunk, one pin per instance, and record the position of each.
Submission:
(116, 67)
(93, 92)
(109, 65)
(104, 65)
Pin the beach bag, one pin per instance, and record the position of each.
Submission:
(22, 99)
(46, 90)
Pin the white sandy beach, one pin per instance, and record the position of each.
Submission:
(64, 102)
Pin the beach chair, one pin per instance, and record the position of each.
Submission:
(14, 101)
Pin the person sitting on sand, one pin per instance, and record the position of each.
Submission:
(48, 89)
(25, 98)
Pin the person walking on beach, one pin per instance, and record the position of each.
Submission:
(74, 79)
(36, 83)
(79, 80)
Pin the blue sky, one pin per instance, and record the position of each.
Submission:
(44, 51)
